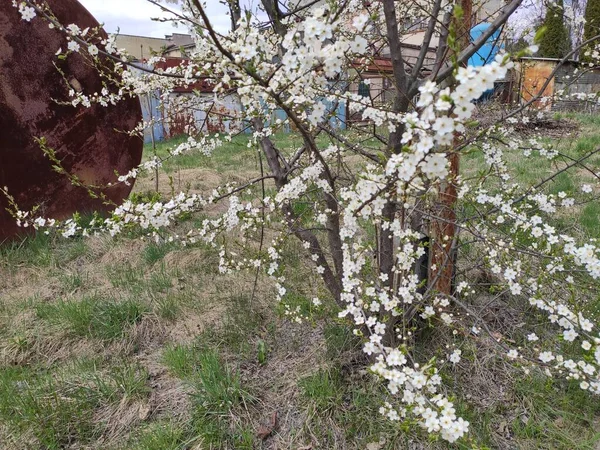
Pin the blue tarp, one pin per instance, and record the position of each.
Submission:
(487, 52)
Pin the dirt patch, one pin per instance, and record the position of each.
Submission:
(126, 251)
(185, 331)
(150, 332)
(24, 441)
(36, 347)
(118, 420)
(186, 259)
(299, 353)
(547, 126)
(197, 180)
(27, 282)
(169, 396)
(97, 246)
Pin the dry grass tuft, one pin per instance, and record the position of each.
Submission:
(119, 419)
(186, 330)
(185, 259)
(127, 251)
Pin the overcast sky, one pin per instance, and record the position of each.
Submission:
(134, 16)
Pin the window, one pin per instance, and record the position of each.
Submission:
(364, 90)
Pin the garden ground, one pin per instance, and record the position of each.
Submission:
(127, 343)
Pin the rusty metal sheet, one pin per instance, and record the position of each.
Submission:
(534, 75)
(86, 140)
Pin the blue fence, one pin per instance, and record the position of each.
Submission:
(151, 111)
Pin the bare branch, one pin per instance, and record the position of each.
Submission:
(465, 54)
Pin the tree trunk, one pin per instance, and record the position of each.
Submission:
(443, 226)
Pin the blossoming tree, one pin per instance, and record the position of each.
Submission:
(389, 212)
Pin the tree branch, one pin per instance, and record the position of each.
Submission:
(469, 51)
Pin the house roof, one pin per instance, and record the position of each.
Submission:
(204, 85)
(539, 58)
(383, 65)
(177, 47)
(377, 65)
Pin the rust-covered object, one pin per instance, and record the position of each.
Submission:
(534, 74)
(90, 142)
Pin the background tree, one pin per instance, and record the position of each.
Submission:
(592, 25)
(555, 42)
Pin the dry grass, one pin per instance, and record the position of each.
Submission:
(310, 376)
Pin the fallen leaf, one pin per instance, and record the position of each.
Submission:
(144, 412)
(503, 427)
(266, 431)
(559, 422)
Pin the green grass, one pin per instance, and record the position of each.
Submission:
(564, 416)
(239, 323)
(76, 248)
(547, 414)
(126, 276)
(563, 182)
(584, 119)
(163, 435)
(161, 280)
(356, 415)
(324, 389)
(216, 392)
(93, 316)
(183, 361)
(217, 388)
(229, 367)
(230, 156)
(168, 307)
(226, 157)
(35, 251)
(528, 171)
(339, 339)
(41, 251)
(590, 219)
(58, 408)
(154, 252)
(72, 281)
(127, 380)
(57, 415)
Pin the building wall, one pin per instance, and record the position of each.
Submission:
(379, 86)
(486, 10)
(143, 47)
(579, 90)
(173, 52)
(140, 47)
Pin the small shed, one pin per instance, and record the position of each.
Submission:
(570, 86)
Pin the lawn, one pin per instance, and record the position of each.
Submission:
(129, 343)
